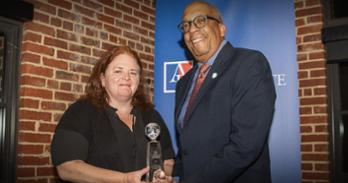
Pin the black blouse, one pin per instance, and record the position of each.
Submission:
(100, 138)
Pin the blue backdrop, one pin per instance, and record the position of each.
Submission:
(268, 26)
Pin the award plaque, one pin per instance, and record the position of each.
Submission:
(153, 152)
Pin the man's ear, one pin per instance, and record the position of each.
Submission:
(222, 28)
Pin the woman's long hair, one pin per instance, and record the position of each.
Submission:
(96, 93)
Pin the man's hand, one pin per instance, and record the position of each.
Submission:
(160, 177)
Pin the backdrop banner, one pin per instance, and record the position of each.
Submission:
(268, 26)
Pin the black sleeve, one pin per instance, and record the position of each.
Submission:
(70, 141)
(165, 140)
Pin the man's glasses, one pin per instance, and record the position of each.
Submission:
(199, 21)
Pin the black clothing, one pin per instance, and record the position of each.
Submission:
(100, 138)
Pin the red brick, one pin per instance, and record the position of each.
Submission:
(148, 25)
(306, 148)
(53, 106)
(61, 3)
(44, 127)
(314, 138)
(85, 11)
(141, 15)
(67, 15)
(29, 36)
(139, 30)
(35, 70)
(107, 46)
(131, 35)
(30, 149)
(52, 84)
(112, 29)
(55, 42)
(33, 81)
(80, 68)
(33, 160)
(89, 60)
(112, 12)
(315, 157)
(302, 74)
(66, 76)
(41, 17)
(148, 10)
(305, 110)
(107, 2)
(311, 38)
(34, 92)
(307, 92)
(65, 86)
(131, 19)
(64, 96)
(312, 82)
(312, 2)
(35, 27)
(67, 56)
(25, 172)
(90, 42)
(313, 100)
(29, 57)
(32, 137)
(315, 175)
(317, 55)
(132, 4)
(315, 19)
(320, 109)
(299, 22)
(310, 47)
(93, 5)
(319, 91)
(313, 119)
(299, 4)
(68, 25)
(45, 171)
(308, 11)
(123, 24)
(55, 63)
(29, 103)
(311, 65)
(44, 7)
(123, 8)
(105, 19)
(321, 167)
(34, 115)
(321, 128)
(27, 46)
(307, 166)
(321, 148)
(306, 129)
(309, 29)
(90, 22)
(56, 21)
(27, 126)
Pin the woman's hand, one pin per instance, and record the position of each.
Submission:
(135, 176)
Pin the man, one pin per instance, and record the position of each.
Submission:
(223, 129)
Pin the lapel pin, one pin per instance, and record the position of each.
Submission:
(214, 75)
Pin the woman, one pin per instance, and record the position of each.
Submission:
(101, 138)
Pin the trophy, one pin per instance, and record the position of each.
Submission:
(153, 153)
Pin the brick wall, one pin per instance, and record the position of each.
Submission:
(59, 48)
(312, 92)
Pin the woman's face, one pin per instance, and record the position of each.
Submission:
(121, 78)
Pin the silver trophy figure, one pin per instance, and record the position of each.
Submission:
(153, 153)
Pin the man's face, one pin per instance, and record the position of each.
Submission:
(203, 42)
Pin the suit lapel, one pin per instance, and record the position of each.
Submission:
(220, 64)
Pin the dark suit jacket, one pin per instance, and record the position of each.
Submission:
(225, 136)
